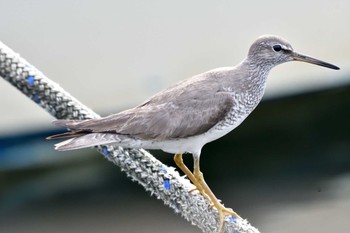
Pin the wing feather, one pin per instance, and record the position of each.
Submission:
(169, 120)
(188, 108)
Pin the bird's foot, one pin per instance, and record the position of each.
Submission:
(201, 191)
(223, 212)
(206, 191)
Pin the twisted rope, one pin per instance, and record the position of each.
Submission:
(139, 165)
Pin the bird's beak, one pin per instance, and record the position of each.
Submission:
(300, 57)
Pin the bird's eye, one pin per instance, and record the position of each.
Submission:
(277, 47)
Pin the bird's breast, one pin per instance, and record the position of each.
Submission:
(244, 104)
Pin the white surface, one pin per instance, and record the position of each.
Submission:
(114, 54)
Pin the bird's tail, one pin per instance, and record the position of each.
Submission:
(81, 138)
(70, 124)
(87, 140)
(68, 134)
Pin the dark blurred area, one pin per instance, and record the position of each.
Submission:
(286, 169)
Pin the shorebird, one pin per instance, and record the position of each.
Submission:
(184, 117)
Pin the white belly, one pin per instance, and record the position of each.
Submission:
(192, 144)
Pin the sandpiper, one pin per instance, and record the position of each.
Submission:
(184, 117)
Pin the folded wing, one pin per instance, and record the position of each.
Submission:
(161, 120)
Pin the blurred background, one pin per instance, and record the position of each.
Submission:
(285, 169)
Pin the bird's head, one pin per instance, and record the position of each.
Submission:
(271, 50)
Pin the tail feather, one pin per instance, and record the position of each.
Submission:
(68, 134)
(71, 124)
(87, 140)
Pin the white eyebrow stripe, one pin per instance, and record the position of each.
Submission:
(284, 47)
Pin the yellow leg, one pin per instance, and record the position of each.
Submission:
(223, 211)
(180, 164)
(198, 180)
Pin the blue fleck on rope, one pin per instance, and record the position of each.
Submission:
(139, 165)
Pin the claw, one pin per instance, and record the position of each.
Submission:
(201, 191)
(223, 212)
(194, 189)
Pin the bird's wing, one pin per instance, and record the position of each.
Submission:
(161, 120)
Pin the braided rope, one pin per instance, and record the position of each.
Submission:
(139, 165)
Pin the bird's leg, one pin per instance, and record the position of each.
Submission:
(180, 164)
(223, 211)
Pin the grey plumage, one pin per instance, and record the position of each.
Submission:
(161, 118)
(203, 104)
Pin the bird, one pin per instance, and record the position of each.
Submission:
(191, 113)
